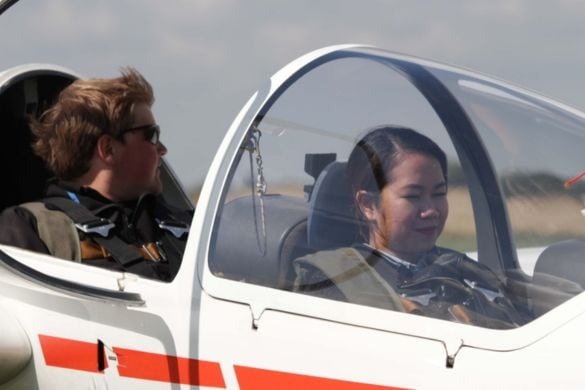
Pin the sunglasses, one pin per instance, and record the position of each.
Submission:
(151, 133)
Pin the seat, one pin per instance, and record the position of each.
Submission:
(332, 221)
(564, 259)
(24, 175)
(257, 244)
(559, 274)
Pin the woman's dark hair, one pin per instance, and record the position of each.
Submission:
(375, 155)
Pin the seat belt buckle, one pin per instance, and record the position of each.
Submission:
(100, 226)
(177, 229)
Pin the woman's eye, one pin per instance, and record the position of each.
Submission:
(439, 194)
(411, 197)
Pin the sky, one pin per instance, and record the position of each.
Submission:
(205, 58)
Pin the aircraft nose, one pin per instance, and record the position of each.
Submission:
(15, 349)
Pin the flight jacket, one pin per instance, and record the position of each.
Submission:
(35, 226)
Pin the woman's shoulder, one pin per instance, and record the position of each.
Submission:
(442, 254)
(469, 268)
(338, 256)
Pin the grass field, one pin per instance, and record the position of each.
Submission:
(535, 221)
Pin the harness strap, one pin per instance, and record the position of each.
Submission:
(91, 250)
(56, 230)
(97, 228)
(348, 270)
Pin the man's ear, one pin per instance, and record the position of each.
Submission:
(368, 204)
(105, 148)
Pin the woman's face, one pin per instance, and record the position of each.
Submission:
(409, 214)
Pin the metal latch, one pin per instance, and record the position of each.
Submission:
(99, 226)
(177, 229)
(452, 347)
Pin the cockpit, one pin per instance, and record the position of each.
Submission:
(509, 155)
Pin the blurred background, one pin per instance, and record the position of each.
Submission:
(205, 58)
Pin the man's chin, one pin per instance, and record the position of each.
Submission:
(156, 188)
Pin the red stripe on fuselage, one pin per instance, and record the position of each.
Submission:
(259, 379)
(81, 355)
(164, 368)
(66, 353)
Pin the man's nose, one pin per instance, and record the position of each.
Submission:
(162, 149)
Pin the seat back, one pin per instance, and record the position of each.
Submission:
(256, 242)
(332, 221)
(564, 259)
(24, 175)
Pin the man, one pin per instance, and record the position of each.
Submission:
(101, 141)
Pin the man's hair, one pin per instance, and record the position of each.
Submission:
(67, 133)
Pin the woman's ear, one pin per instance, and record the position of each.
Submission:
(368, 205)
(105, 149)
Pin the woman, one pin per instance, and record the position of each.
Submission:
(398, 179)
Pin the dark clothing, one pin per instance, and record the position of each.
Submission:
(135, 223)
(443, 284)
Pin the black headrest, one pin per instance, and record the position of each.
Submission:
(332, 219)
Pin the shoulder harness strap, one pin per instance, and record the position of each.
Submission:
(56, 230)
(353, 276)
(98, 228)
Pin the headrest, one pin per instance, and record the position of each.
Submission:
(565, 259)
(256, 242)
(332, 221)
